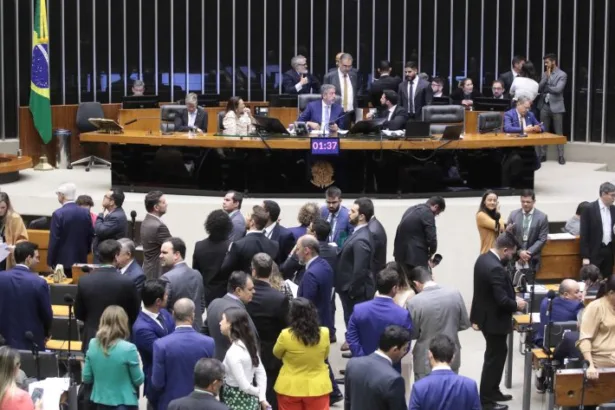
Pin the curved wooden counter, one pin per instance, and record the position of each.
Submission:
(10, 165)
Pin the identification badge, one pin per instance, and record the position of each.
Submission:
(524, 238)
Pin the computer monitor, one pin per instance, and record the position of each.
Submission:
(452, 132)
(140, 101)
(283, 100)
(418, 129)
(269, 125)
(491, 104)
(208, 100)
(368, 126)
(441, 101)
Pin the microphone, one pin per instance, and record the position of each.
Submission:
(131, 121)
(30, 338)
(69, 299)
(35, 349)
(86, 269)
(339, 118)
(550, 295)
(133, 216)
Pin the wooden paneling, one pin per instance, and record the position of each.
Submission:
(41, 238)
(569, 388)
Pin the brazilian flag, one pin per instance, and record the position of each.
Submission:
(40, 105)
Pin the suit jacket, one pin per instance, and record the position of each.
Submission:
(207, 259)
(562, 310)
(398, 119)
(100, 289)
(313, 112)
(145, 332)
(70, 237)
(457, 95)
(291, 78)
(370, 382)
(291, 268)
(385, 82)
(379, 236)
(355, 266)
(591, 232)
(317, 286)
(184, 282)
(239, 256)
(332, 77)
(444, 390)
(340, 227)
(507, 78)
(422, 96)
(298, 231)
(436, 310)
(197, 401)
(368, 321)
(135, 273)
(537, 238)
(212, 324)
(181, 121)
(554, 86)
(269, 312)
(512, 125)
(173, 367)
(286, 242)
(494, 296)
(416, 239)
(239, 226)
(153, 233)
(112, 226)
(24, 306)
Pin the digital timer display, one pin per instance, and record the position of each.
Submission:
(325, 146)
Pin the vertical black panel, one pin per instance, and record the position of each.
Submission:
(211, 45)
(303, 32)
(397, 20)
(459, 52)
(318, 67)
(195, 42)
(179, 49)
(256, 40)
(102, 51)
(565, 59)
(148, 40)
(335, 25)
(117, 52)
(226, 48)
(505, 33)
(87, 50)
(536, 34)
(164, 50)
(427, 36)
(412, 33)
(70, 63)
(25, 50)
(350, 29)
(521, 27)
(443, 48)
(10, 88)
(474, 48)
(381, 43)
(597, 87)
(610, 100)
(132, 39)
(55, 46)
(489, 43)
(580, 113)
(552, 29)
(273, 69)
(364, 60)
(241, 48)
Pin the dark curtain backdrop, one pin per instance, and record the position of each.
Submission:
(239, 47)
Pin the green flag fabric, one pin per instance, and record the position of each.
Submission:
(40, 104)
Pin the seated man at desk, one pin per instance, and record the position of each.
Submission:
(194, 118)
(324, 115)
(396, 116)
(566, 306)
(520, 119)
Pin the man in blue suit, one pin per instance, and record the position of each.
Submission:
(127, 264)
(369, 319)
(176, 355)
(521, 120)
(443, 389)
(337, 216)
(71, 233)
(324, 115)
(276, 232)
(112, 222)
(154, 322)
(24, 304)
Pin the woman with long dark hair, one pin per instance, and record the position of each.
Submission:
(525, 84)
(242, 364)
(12, 228)
(489, 221)
(238, 118)
(303, 348)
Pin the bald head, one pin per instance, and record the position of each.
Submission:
(569, 289)
(307, 248)
(183, 311)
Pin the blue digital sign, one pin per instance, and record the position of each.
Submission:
(325, 146)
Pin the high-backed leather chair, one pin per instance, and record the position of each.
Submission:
(489, 122)
(221, 115)
(440, 116)
(304, 99)
(85, 111)
(167, 116)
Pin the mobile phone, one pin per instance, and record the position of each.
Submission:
(437, 258)
(37, 394)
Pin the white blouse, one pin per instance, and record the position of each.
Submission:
(240, 372)
(524, 87)
(236, 126)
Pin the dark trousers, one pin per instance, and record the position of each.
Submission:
(604, 260)
(348, 304)
(121, 407)
(553, 122)
(493, 366)
(336, 390)
(333, 310)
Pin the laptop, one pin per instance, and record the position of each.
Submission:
(418, 129)
(452, 132)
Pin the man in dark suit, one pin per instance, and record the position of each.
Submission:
(337, 216)
(276, 232)
(385, 82)
(298, 80)
(354, 281)
(176, 355)
(597, 224)
(396, 116)
(414, 92)
(104, 287)
(208, 379)
(371, 382)
(127, 264)
(346, 84)
(493, 304)
(241, 252)
(508, 77)
(153, 323)
(269, 311)
(498, 90)
(443, 389)
(182, 281)
(71, 232)
(153, 233)
(416, 239)
(240, 293)
(379, 235)
(194, 118)
(324, 115)
(231, 204)
(112, 222)
(210, 252)
(24, 305)
(521, 119)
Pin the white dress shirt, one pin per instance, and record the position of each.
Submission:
(415, 83)
(381, 354)
(191, 118)
(240, 372)
(350, 99)
(356, 228)
(521, 120)
(125, 268)
(269, 230)
(152, 315)
(324, 125)
(605, 215)
(391, 111)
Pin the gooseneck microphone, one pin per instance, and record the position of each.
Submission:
(35, 349)
(133, 216)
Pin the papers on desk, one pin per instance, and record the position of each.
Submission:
(389, 133)
(53, 388)
(539, 288)
(560, 236)
(293, 287)
(5, 251)
(536, 317)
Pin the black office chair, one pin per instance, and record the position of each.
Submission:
(50, 366)
(39, 223)
(304, 99)
(221, 115)
(168, 113)
(86, 111)
(58, 291)
(489, 122)
(440, 116)
(59, 329)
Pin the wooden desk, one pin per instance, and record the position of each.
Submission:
(59, 310)
(560, 260)
(569, 386)
(10, 165)
(63, 345)
(67, 281)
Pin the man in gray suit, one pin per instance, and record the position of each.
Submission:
(530, 228)
(346, 84)
(551, 103)
(434, 310)
(240, 292)
(182, 281)
(232, 206)
(153, 233)
(371, 382)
